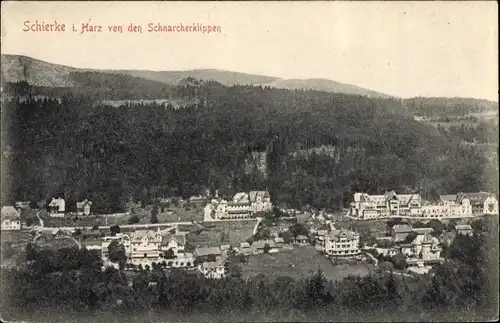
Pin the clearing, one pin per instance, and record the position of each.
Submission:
(300, 263)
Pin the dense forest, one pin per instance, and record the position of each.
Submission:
(71, 280)
(66, 142)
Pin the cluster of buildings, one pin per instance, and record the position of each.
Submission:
(243, 205)
(390, 204)
(424, 249)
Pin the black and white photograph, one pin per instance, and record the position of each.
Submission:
(249, 161)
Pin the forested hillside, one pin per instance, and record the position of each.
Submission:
(79, 148)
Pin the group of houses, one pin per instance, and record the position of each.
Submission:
(242, 206)
(423, 249)
(57, 207)
(390, 204)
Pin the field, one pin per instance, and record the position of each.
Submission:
(378, 226)
(13, 246)
(217, 233)
(299, 263)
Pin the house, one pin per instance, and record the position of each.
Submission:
(424, 247)
(212, 269)
(399, 232)
(367, 206)
(205, 254)
(245, 248)
(302, 240)
(259, 247)
(57, 206)
(261, 201)
(482, 203)
(464, 229)
(279, 242)
(93, 244)
(83, 207)
(239, 208)
(343, 243)
(11, 218)
(174, 244)
(145, 246)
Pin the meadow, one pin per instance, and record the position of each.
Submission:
(300, 263)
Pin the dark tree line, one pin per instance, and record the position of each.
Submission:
(76, 147)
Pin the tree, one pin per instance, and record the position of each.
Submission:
(410, 237)
(266, 248)
(117, 253)
(299, 229)
(133, 219)
(451, 225)
(287, 236)
(154, 214)
(386, 266)
(169, 254)
(114, 229)
(437, 225)
(399, 261)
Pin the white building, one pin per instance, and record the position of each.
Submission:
(242, 206)
(261, 201)
(11, 218)
(367, 206)
(57, 206)
(213, 269)
(462, 205)
(83, 207)
(341, 243)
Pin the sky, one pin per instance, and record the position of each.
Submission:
(400, 48)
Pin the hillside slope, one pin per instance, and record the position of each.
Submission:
(16, 68)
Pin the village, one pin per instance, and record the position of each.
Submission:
(399, 232)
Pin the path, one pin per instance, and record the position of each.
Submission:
(375, 260)
(256, 227)
(39, 218)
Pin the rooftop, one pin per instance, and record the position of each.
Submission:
(401, 228)
(207, 251)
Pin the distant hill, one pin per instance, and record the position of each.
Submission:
(324, 85)
(16, 68)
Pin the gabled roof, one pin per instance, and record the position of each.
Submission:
(207, 251)
(301, 237)
(139, 234)
(463, 227)
(448, 197)
(244, 245)
(474, 198)
(241, 198)
(422, 230)
(279, 240)
(166, 238)
(255, 194)
(80, 205)
(401, 228)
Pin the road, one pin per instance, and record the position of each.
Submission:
(145, 225)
